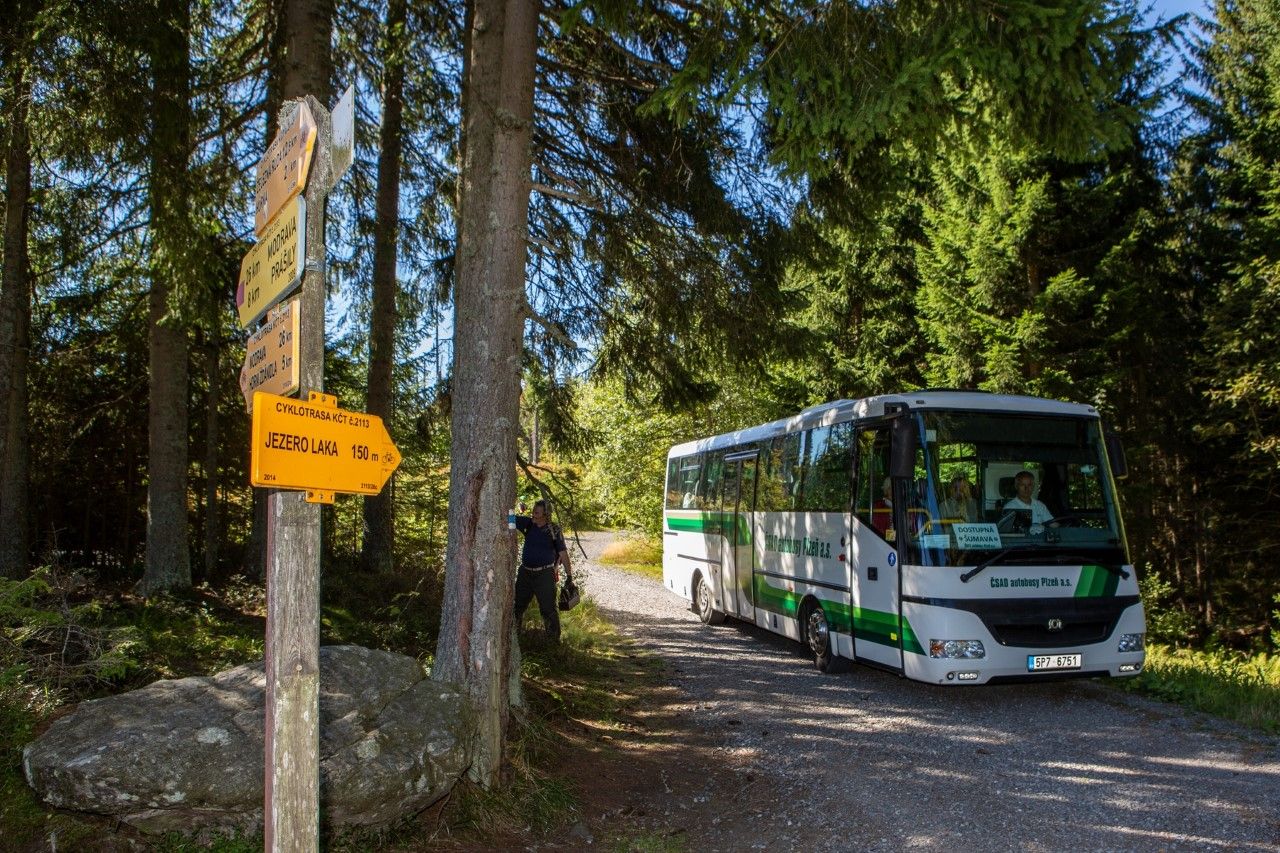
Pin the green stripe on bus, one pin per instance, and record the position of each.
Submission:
(711, 524)
(687, 524)
(775, 600)
(880, 627)
(1095, 581)
(873, 626)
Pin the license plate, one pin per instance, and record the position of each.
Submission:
(1039, 663)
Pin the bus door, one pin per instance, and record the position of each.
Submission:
(873, 551)
(738, 557)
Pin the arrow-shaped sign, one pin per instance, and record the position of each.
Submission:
(275, 264)
(282, 172)
(318, 447)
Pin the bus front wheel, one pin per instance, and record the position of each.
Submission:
(704, 603)
(817, 635)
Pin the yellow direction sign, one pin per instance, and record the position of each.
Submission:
(274, 265)
(318, 447)
(271, 358)
(282, 173)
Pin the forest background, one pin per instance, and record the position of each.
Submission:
(738, 210)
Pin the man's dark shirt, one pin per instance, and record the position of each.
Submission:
(541, 544)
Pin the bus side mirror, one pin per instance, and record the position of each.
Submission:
(902, 455)
(1115, 453)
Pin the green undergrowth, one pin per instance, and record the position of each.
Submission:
(583, 679)
(393, 611)
(635, 554)
(176, 842)
(1236, 686)
(589, 679)
(66, 640)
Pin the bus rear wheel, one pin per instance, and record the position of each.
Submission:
(817, 636)
(704, 603)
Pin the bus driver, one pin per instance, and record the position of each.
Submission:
(1024, 484)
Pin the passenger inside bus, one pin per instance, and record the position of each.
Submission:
(882, 509)
(959, 503)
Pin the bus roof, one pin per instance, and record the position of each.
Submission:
(867, 408)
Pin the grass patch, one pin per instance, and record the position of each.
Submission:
(583, 676)
(651, 843)
(635, 554)
(1238, 687)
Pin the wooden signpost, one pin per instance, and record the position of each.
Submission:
(271, 360)
(286, 355)
(303, 452)
(344, 133)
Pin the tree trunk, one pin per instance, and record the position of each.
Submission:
(308, 56)
(299, 56)
(168, 561)
(379, 518)
(212, 517)
(15, 316)
(475, 630)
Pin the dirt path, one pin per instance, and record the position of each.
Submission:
(752, 748)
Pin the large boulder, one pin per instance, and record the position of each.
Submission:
(188, 753)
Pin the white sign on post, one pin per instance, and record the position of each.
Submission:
(344, 133)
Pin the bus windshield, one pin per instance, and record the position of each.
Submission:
(1036, 488)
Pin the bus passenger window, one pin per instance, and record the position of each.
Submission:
(770, 496)
(711, 481)
(674, 494)
(690, 468)
(872, 505)
(780, 484)
(828, 457)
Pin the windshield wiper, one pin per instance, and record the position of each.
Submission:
(1036, 549)
(996, 557)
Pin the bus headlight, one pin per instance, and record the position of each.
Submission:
(956, 649)
(1131, 643)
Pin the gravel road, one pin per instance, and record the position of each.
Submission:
(870, 761)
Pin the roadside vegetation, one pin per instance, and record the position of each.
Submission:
(59, 646)
(1233, 685)
(1237, 684)
(64, 641)
(636, 553)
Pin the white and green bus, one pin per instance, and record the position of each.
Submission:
(954, 537)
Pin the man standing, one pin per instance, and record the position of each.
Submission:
(544, 552)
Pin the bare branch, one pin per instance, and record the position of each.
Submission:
(579, 199)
